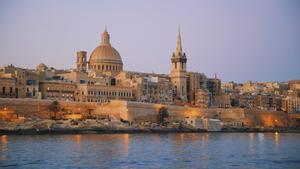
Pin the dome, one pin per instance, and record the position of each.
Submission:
(104, 58)
(41, 67)
(105, 54)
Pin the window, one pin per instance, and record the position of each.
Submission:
(3, 89)
(175, 65)
(113, 82)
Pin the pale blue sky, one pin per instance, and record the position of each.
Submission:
(239, 40)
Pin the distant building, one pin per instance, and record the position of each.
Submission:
(57, 90)
(291, 104)
(195, 81)
(214, 87)
(8, 88)
(202, 98)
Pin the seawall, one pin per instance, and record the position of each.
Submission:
(140, 112)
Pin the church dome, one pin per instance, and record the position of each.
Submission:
(105, 58)
(105, 54)
(41, 67)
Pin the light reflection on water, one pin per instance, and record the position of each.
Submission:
(183, 150)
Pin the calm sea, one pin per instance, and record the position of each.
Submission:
(195, 150)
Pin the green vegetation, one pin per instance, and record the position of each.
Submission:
(54, 107)
(162, 114)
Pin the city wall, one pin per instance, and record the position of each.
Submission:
(134, 111)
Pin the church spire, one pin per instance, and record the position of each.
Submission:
(178, 44)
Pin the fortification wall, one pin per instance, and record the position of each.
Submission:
(32, 108)
(149, 112)
(267, 118)
(135, 111)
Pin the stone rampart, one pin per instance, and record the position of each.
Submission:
(136, 111)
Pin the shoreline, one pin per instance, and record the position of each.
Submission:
(133, 131)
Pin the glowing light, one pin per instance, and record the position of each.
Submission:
(276, 138)
(73, 116)
(4, 138)
(77, 138)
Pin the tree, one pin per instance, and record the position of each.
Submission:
(89, 110)
(162, 114)
(54, 107)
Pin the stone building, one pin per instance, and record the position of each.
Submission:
(202, 98)
(246, 100)
(195, 81)
(152, 88)
(8, 88)
(214, 87)
(291, 104)
(101, 93)
(57, 90)
(222, 100)
(265, 102)
(294, 85)
(13, 79)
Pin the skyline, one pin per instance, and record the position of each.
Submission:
(261, 44)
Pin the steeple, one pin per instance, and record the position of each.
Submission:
(178, 72)
(105, 38)
(178, 44)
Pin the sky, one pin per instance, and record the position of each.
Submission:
(237, 40)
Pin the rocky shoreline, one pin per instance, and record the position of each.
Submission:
(93, 126)
(129, 131)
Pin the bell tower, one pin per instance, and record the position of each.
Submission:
(81, 62)
(178, 73)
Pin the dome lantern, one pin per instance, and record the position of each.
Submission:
(105, 38)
